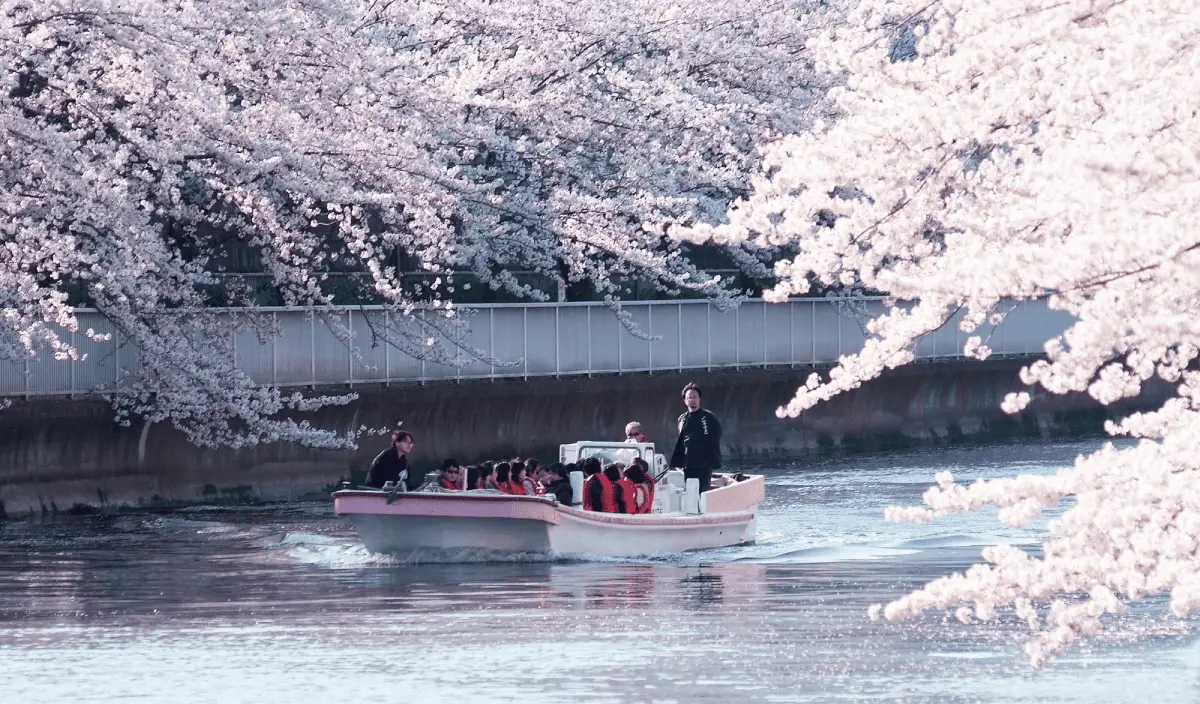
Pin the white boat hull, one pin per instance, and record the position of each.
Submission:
(453, 521)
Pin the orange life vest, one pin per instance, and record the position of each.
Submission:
(643, 498)
(515, 488)
(608, 500)
(447, 484)
(626, 488)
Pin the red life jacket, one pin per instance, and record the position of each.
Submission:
(532, 488)
(515, 489)
(447, 484)
(608, 499)
(646, 493)
(626, 488)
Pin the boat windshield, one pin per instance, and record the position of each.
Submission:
(608, 455)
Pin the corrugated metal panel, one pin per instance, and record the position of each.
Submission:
(606, 340)
(293, 349)
(635, 352)
(695, 335)
(48, 375)
(540, 341)
(99, 367)
(255, 345)
(665, 323)
(720, 336)
(573, 339)
(554, 339)
(751, 347)
(368, 329)
(779, 333)
(12, 378)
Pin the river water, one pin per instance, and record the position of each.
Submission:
(281, 604)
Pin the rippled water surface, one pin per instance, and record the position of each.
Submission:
(281, 604)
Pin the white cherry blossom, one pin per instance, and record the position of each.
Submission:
(476, 135)
(993, 151)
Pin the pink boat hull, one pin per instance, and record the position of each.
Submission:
(452, 521)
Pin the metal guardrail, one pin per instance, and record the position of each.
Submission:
(552, 339)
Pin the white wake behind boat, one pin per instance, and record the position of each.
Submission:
(682, 518)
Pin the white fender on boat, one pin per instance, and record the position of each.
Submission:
(576, 488)
(691, 497)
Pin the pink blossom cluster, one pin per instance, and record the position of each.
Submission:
(985, 152)
(480, 136)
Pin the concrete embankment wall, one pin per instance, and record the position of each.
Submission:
(59, 454)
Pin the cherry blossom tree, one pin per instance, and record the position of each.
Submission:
(476, 135)
(994, 151)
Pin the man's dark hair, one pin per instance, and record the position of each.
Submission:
(692, 387)
(591, 466)
(557, 468)
(447, 464)
(401, 435)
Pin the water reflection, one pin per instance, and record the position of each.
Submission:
(266, 604)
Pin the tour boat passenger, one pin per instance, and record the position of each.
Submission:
(557, 483)
(643, 489)
(633, 432)
(650, 480)
(516, 480)
(598, 494)
(488, 471)
(474, 477)
(532, 469)
(622, 493)
(499, 480)
(451, 478)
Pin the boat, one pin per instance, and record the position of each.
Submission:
(682, 518)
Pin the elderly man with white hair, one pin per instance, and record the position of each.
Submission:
(633, 432)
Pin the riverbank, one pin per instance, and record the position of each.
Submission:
(59, 454)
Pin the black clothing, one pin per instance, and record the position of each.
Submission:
(386, 467)
(593, 493)
(619, 498)
(562, 491)
(698, 449)
(699, 443)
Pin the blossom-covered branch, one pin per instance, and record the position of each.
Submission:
(1007, 150)
(477, 135)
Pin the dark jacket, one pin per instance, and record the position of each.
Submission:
(386, 467)
(699, 443)
(562, 491)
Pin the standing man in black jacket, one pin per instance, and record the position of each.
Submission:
(391, 465)
(698, 449)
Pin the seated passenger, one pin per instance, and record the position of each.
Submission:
(557, 483)
(475, 478)
(633, 432)
(598, 494)
(532, 469)
(643, 489)
(622, 489)
(451, 478)
(516, 480)
(499, 481)
(649, 481)
(488, 471)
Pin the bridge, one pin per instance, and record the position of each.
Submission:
(549, 339)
